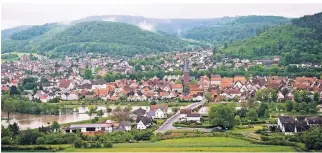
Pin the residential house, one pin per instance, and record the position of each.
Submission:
(143, 122)
(215, 80)
(177, 88)
(158, 111)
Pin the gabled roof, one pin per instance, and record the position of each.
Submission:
(193, 115)
(64, 83)
(163, 107)
(145, 120)
(99, 82)
(185, 111)
(176, 86)
(139, 112)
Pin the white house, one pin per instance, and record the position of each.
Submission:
(194, 117)
(143, 122)
(184, 113)
(88, 128)
(99, 84)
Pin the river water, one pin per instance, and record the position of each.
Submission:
(34, 121)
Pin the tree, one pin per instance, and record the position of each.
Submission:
(225, 44)
(8, 107)
(55, 126)
(237, 120)
(13, 90)
(100, 113)
(5, 132)
(313, 138)
(262, 109)
(14, 128)
(222, 115)
(88, 74)
(91, 111)
(252, 114)
(208, 96)
(266, 115)
(289, 106)
(108, 109)
(316, 97)
(120, 114)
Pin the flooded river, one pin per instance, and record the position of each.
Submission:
(34, 121)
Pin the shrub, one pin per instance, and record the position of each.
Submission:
(108, 145)
(78, 143)
(40, 140)
(6, 141)
(85, 144)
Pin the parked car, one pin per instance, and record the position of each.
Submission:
(219, 129)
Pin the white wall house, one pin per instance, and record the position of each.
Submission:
(141, 126)
(160, 114)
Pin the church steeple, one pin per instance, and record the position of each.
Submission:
(186, 75)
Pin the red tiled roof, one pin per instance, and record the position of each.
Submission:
(176, 86)
(64, 83)
(161, 106)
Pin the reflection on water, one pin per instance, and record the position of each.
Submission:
(34, 121)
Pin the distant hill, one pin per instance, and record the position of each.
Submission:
(8, 32)
(171, 26)
(96, 36)
(295, 43)
(237, 29)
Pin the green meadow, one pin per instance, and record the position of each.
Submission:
(204, 144)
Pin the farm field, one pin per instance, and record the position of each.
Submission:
(205, 144)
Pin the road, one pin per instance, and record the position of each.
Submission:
(167, 125)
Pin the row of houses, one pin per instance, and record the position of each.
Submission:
(143, 120)
(290, 125)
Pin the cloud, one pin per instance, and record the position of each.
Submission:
(145, 26)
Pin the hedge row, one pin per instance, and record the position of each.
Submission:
(42, 147)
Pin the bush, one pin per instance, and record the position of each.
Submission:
(6, 141)
(108, 145)
(40, 140)
(78, 143)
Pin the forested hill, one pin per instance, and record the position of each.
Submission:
(296, 43)
(235, 30)
(8, 32)
(96, 36)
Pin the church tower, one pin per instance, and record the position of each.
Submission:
(186, 75)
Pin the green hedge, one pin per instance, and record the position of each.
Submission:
(253, 122)
(35, 147)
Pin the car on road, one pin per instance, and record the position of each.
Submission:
(219, 129)
(179, 127)
(166, 122)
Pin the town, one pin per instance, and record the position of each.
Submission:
(123, 83)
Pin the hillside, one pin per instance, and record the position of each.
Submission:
(294, 43)
(96, 36)
(235, 30)
(8, 32)
(170, 26)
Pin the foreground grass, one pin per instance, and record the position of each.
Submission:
(205, 144)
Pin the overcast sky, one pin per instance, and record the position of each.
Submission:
(35, 14)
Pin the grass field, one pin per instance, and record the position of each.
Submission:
(246, 130)
(205, 144)
(14, 59)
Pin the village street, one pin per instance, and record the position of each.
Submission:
(167, 125)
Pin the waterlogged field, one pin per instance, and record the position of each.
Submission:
(205, 144)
